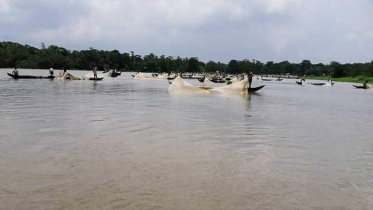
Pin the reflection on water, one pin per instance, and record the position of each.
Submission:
(126, 144)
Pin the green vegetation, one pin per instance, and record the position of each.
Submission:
(360, 79)
(25, 56)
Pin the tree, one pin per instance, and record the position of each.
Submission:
(193, 64)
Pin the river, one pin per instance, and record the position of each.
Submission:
(122, 143)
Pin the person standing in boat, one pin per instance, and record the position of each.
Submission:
(303, 79)
(365, 85)
(95, 72)
(51, 72)
(15, 72)
(250, 75)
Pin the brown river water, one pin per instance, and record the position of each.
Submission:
(122, 143)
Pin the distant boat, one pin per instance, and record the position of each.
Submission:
(30, 76)
(362, 86)
(299, 83)
(320, 84)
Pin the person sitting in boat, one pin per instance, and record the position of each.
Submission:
(15, 72)
(95, 72)
(51, 72)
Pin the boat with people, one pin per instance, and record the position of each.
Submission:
(261, 79)
(29, 76)
(111, 73)
(299, 83)
(218, 79)
(321, 84)
(179, 86)
(364, 86)
(328, 83)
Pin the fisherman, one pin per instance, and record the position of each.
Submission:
(250, 76)
(365, 85)
(303, 78)
(51, 72)
(95, 72)
(15, 72)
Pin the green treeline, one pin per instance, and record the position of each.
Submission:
(25, 56)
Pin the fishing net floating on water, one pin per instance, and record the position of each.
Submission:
(90, 75)
(234, 88)
(67, 75)
(328, 83)
(181, 87)
(149, 76)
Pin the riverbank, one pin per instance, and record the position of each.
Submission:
(344, 79)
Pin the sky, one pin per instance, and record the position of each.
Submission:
(267, 30)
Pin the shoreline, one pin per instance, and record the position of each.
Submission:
(360, 79)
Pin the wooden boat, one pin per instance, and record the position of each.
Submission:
(252, 90)
(264, 79)
(215, 80)
(96, 79)
(299, 83)
(360, 87)
(320, 84)
(30, 76)
(115, 74)
(191, 77)
(201, 79)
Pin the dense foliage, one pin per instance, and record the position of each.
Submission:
(25, 56)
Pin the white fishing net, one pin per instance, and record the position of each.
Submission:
(179, 86)
(90, 75)
(238, 87)
(235, 79)
(66, 75)
(150, 76)
(206, 80)
(107, 74)
(328, 83)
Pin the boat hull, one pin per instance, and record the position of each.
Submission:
(359, 87)
(96, 79)
(252, 90)
(30, 76)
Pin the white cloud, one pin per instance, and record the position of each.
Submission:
(210, 29)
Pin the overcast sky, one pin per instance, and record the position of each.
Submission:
(220, 30)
